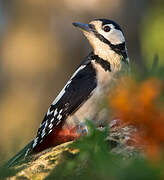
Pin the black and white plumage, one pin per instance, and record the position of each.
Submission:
(69, 99)
(80, 97)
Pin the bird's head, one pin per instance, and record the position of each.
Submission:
(106, 38)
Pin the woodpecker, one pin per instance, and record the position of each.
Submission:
(80, 97)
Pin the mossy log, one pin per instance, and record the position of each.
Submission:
(40, 165)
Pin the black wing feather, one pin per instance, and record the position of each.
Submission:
(80, 88)
(75, 93)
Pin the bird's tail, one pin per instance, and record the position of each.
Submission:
(26, 151)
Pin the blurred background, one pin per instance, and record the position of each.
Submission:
(40, 49)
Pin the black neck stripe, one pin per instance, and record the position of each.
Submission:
(104, 64)
(119, 48)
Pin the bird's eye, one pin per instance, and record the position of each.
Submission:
(107, 28)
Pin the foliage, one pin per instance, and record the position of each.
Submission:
(96, 162)
(138, 102)
(141, 103)
(6, 172)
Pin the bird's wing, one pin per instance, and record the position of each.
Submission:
(76, 92)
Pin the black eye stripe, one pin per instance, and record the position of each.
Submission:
(119, 48)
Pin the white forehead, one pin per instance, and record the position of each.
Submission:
(115, 36)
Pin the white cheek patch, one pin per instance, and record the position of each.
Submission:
(115, 36)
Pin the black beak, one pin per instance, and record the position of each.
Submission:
(82, 26)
